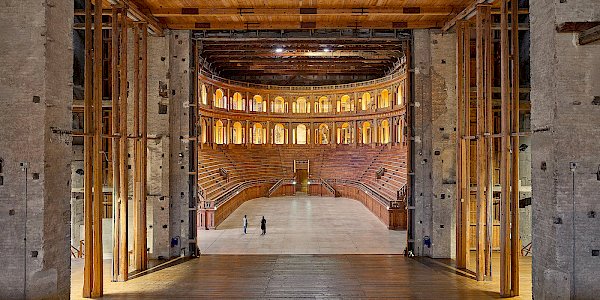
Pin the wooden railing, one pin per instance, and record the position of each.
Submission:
(363, 187)
(328, 186)
(390, 77)
(77, 253)
(278, 184)
(237, 189)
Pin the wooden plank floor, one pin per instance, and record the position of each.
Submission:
(304, 276)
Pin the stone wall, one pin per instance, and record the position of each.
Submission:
(35, 95)
(565, 143)
(434, 123)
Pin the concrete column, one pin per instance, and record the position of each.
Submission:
(565, 152)
(36, 93)
(434, 122)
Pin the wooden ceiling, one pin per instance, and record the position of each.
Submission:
(285, 14)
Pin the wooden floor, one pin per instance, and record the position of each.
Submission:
(304, 276)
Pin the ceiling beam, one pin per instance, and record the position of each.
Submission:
(445, 11)
(590, 35)
(348, 24)
(136, 14)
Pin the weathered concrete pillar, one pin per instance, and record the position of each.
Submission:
(181, 187)
(434, 121)
(36, 94)
(565, 151)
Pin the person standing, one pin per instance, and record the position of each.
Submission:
(245, 221)
(263, 226)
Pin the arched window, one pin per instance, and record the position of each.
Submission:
(220, 100)
(203, 95)
(384, 132)
(258, 134)
(219, 133)
(301, 134)
(366, 101)
(345, 136)
(323, 134)
(301, 106)
(345, 104)
(366, 133)
(278, 105)
(325, 105)
(237, 134)
(401, 94)
(238, 102)
(258, 104)
(384, 99)
(279, 134)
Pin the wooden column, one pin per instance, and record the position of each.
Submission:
(114, 59)
(144, 148)
(514, 204)
(123, 151)
(88, 154)
(483, 270)
(97, 287)
(461, 252)
(505, 278)
(136, 148)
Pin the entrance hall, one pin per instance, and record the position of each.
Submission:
(303, 225)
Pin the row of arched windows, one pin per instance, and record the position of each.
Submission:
(300, 134)
(301, 105)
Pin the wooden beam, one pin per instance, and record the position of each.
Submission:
(123, 151)
(590, 35)
(97, 287)
(467, 132)
(225, 12)
(137, 257)
(348, 24)
(114, 59)
(461, 253)
(514, 202)
(482, 19)
(144, 148)
(489, 129)
(505, 267)
(88, 143)
(465, 14)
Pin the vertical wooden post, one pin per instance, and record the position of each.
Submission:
(123, 150)
(98, 155)
(466, 172)
(88, 154)
(480, 142)
(505, 150)
(144, 149)
(514, 207)
(489, 167)
(137, 258)
(461, 253)
(116, 140)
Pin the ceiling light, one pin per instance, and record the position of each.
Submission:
(279, 50)
(327, 50)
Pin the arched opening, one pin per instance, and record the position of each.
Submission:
(238, 133)
(366, 133)
(401, 94)
(279, 134)
(384, 99)
(345, 136)
(384, 132)
(203, 132)
(238, 102)
(323, 136)
(345, 104)
(219, 133)
(301, 106)
(219, 99)
(257, 104)
(258, 134)
(278, 105)
(301, 134)
(203, 95)
(366, 101)
(325, 105)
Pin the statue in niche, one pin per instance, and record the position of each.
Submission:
(278, 136)
(325, 135)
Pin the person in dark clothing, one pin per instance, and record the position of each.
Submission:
(263, 226)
